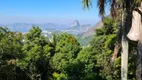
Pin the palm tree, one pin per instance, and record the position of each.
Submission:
(126, 6)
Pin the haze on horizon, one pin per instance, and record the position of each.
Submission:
(46, 11)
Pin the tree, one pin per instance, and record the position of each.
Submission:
(66, 50)
(37, 51)
(103, 44)
(127, 7)
(87, 57)
(10, 53)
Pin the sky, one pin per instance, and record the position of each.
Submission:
(47, 11)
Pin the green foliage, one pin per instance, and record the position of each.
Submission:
(33, 56)
(10, 52)
(92, 62)
(37, 52)
(67, 43)
(110, 26)
(88, 58)
(84, 41)
(60, 61)
(66, 51)
(103, 45)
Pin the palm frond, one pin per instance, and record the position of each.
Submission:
(101, 5)
(113, 8)
(87, 4)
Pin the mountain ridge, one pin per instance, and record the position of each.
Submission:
(91, 31)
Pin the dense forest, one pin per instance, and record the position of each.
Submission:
(33, 56)
(110, 55)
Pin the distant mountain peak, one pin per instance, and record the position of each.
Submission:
(75, 23)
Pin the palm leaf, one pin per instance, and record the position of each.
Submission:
(87, 3)
(101, 6)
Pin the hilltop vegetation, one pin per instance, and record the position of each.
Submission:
(33, 56)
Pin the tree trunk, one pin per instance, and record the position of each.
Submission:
(115, 53)
(124, 59)
(117, 46)
(124, 54)
(139, 62)
(139, 47)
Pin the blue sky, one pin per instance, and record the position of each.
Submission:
(45, 11)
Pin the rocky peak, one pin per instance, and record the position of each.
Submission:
(76, 24)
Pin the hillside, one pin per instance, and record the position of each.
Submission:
(84, 38)
(91, 31)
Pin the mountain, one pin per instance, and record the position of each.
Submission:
(77, 29)
(91, 31)
(48, 28)
(82, 32)
(84, 38)
(75, 24)
(53, 26)
(25, 27)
